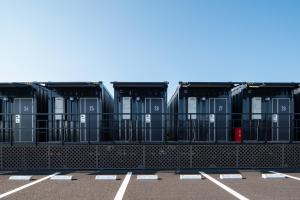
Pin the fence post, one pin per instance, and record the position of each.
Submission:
(97, 155)
(49, 157)
(191, 156)
(36, 131)
(283, 155)
(237, 155)
(144, 156)
(63, 130)
(89, 128)
(11, 129)
(1, 158)
(24, 149)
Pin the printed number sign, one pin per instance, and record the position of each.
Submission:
(82, 118)
(18, 119)
(212, 118)
(148, 118)
(275, 118)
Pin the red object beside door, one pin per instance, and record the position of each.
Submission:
(238, 135)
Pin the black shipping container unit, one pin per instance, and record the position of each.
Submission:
(19, 121)
(200, 112)
(139, 111)
(79, 112)
(267, 111)
(297, 114)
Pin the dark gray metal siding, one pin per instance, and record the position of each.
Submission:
(145, 97)
(81, 98)
(274, 99)
(182, 127)
(26, 100)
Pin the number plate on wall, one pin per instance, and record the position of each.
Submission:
(148, 118)
(212, 118)
(275, 118)
(18, 119)
(82, 118)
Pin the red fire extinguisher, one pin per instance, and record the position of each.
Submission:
(238, 135)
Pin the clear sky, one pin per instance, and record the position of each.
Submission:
(154, 40)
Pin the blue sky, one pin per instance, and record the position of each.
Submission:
(154, 40)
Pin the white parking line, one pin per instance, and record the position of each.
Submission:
(286, 175)
(224, 187)
(121, 191)
(27, 185)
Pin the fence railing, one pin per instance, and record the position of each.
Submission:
(144, 156)
(149, 128)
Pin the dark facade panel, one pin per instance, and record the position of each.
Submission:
(297, 114)
(79, 112)
(23, 109)
(140, 111)
(200, 112)
(265, 111)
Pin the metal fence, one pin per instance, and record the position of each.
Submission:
(184, 156)
(149, 128)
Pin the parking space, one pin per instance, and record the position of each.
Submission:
(255, 187)
(168, 186)
(7, 185)
(83, 186)
(293, 174)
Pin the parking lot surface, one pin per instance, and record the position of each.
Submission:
(168, 186)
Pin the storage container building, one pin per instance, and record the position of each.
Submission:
(266, 111)
(297, 115)
(201, 112)
(23, 113)
(79, 112)
(139, 111)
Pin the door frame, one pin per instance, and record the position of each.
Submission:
(80, 125)
(162, 121)
(20, 113)
(226, 118)
(277, 127)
